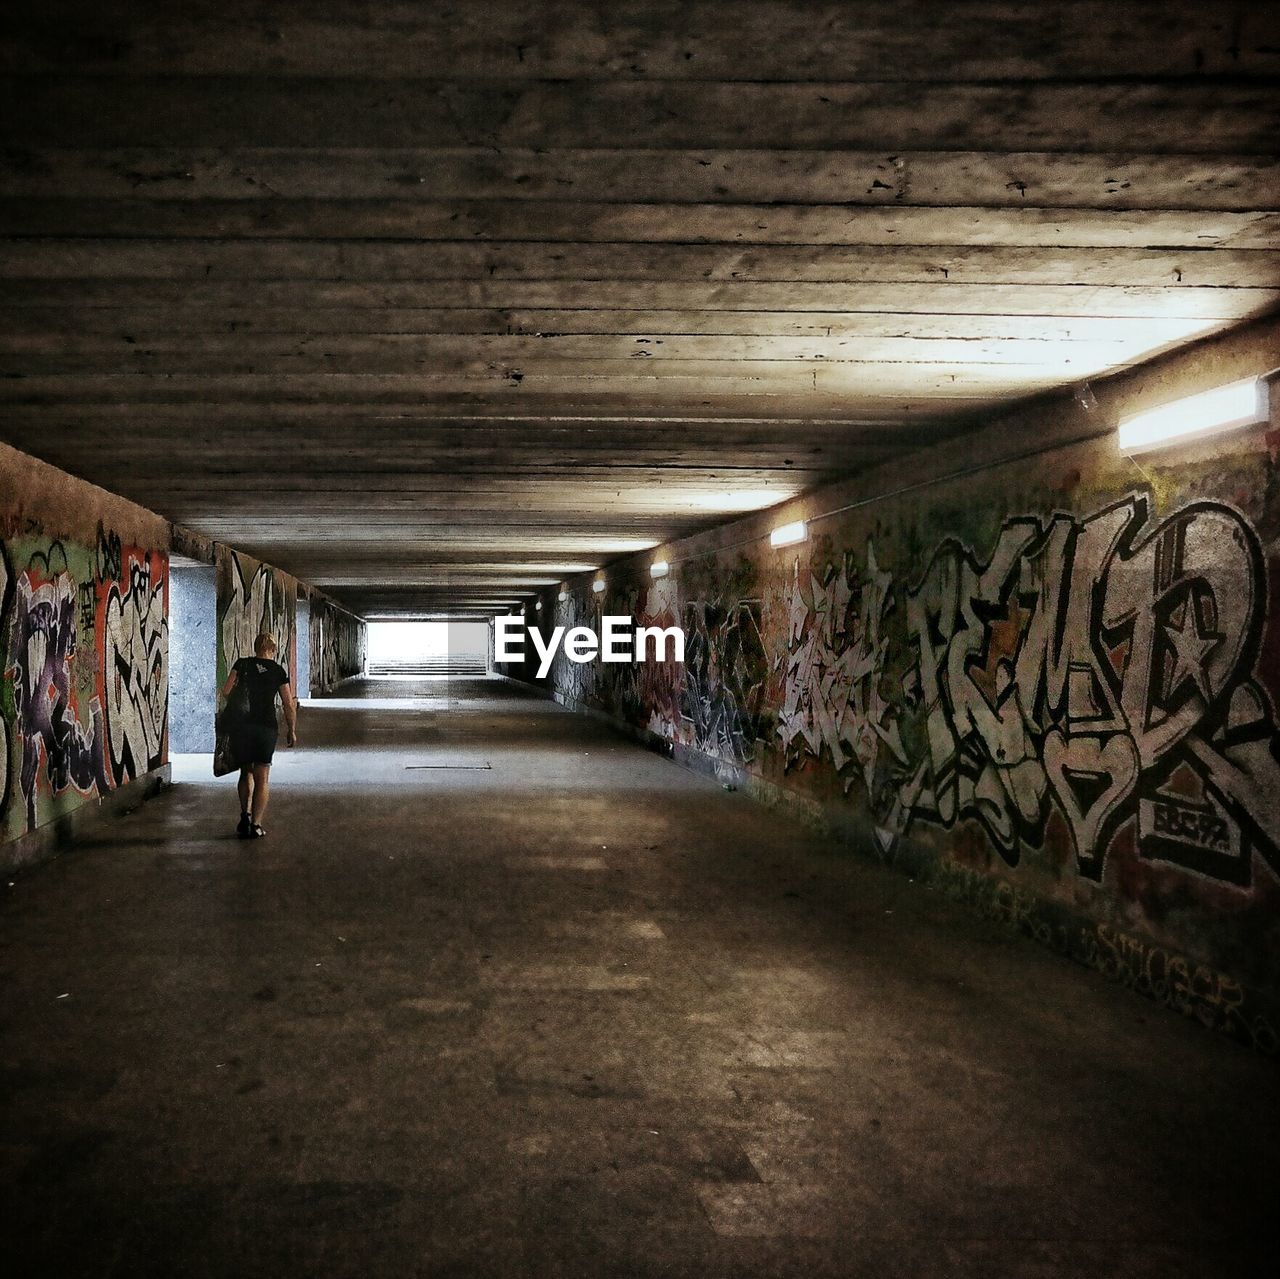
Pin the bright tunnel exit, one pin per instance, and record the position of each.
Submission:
(446, 647)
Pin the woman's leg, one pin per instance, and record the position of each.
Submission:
(245, 787)
(261, 791)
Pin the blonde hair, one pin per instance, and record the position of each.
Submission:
(264, 645)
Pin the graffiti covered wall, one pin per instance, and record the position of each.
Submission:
(133, 613)
(254, 599)
(337, 645)
(85, 596)
(84, 644)
(1102, 668)
(1060, 677)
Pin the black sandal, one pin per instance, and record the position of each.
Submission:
(256, 831)
(245, 828)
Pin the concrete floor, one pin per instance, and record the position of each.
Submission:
(580, 1013)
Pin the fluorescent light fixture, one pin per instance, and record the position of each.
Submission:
(598, 585)
(659, 568)
(1237, 404)
(744, 499)
(741, 499)
(789, 534)
(626, 545)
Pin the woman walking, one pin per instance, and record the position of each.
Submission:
(254, 734)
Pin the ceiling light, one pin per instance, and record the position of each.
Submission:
(659, 568)
(624, 545)
(744, 499)
(598, 585)
(1243, 403)
(564, 595)
(789, 534)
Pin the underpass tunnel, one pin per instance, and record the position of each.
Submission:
(768, 515)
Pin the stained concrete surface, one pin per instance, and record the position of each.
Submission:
(578, 1013)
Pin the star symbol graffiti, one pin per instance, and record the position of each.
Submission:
(1003, 638)
(1191, 648)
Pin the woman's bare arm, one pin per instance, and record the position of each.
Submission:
(290, 705)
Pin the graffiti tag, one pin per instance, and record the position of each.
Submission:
(136, 670)
(255, 608)
(1104, 668)
(722, 698)
(833, 699)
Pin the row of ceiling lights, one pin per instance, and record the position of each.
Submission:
(1235, 405)
(784, 535)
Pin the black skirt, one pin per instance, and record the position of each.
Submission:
(253, 744)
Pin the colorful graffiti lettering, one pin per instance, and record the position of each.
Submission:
(1104, 668)
(135, 672)
(85, 672)
(42, 648)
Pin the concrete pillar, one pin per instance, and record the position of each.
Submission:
(303, 631)
(193, 629)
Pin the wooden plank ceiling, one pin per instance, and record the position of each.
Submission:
(429, 303)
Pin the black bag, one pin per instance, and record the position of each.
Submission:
(224, 760)
(232, 716)
(236, 711)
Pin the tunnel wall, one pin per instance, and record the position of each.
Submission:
(338, 645)
(254, 599)
(1047, 685)
(84, 638)
(84, 646)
